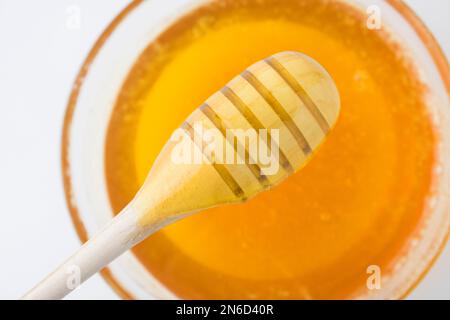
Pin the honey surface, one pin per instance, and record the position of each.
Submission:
(357, 203)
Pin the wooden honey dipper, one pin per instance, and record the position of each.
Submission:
(288, 94)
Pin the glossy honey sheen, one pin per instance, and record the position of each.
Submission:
(359, 201)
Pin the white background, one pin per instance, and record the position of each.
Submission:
(39, 58)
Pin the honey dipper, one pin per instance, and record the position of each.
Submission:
(288, 94)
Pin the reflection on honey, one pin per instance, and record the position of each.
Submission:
(356, 204)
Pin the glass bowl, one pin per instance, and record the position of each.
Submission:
(93, 97)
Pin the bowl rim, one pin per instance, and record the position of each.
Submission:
(419, 27)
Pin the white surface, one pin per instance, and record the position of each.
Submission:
(39, 58)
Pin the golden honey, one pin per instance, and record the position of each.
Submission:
(356, 204)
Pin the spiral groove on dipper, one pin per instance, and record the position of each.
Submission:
(288, 92)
